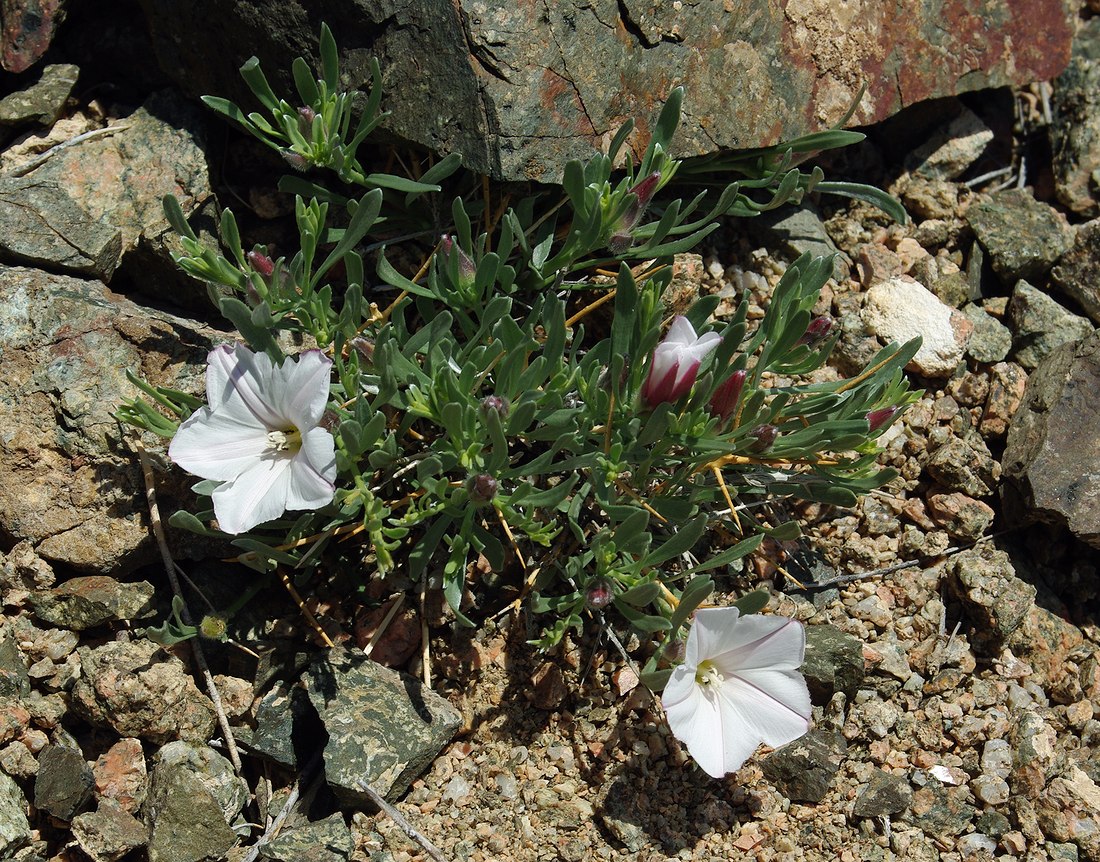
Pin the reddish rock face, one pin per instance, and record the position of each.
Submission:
(519, 87)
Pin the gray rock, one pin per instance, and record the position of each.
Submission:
(1052, 457)
(901, 309)
(1077, 273)
(1075, 127)
(803, 770)
(71, 488)
(43, 101)
(1022, 237)
(214, 773)
(15, 829)
(14, 681)
(1040, 324)
(884, 794)
(953, 148)
(965, 464)
(519, 89)
(994, 598)
(795, 231)
(87, 602)
(21, 571)
(187, 823)
(383, 727)
(64, 782)
(277, 714)
(108, 833)
(1069, 812)
(40, 224)
(993, 823)
(940, 810)
(834, 662)
(991, 340)
(953, 289)
(140, 691)
(327, 840)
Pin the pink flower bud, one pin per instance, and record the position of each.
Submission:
(765, 436)
(306, 116)
(295, 160)
(467, 272)
(599, 595)
(723, 403)
(877, 419)
(675, 363)
(643, 192)
(817, 331)
(263, 264)
(482, 488)
(495, 404)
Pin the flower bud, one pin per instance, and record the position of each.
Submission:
(467, 272)
(295, 160)
(765, 436)
(643, 192)
(364, 347)
(213, 627)
(723, 403)
(673, 651)
(260, 262)
(675, 363)
(817, 331)
(495, 404)
(879, 418)
(599, 595)
(482, 488)
(306, 116)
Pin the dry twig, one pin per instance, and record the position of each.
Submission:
(398, 818)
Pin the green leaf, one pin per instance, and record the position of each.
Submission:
(642, 622)
(696, 592)
(730, 555)
(392, 277)
(330, 59)
(753, 602)
(682, 540)
(669, 118)
(656, 680)
(257, 82)
(305, 82)
(888, 204)
(640, 595)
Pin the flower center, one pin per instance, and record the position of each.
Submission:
(289, 441)
(706, 674)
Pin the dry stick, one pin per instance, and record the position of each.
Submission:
(273, 828)
(185, 614)
(398, 818)
(23, 170)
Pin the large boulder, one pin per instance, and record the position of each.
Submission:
(519, 88)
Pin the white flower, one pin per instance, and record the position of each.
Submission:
(676, 361)
(737, 688)
(260, 437)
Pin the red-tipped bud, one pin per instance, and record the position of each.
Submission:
(599, 595)
(364, 347)
(723, 403)
(467, 272)
(643, 192)
(260, 262)
(495, 404)
(878, 419)
(817, 331)
(295, 160)
(765, 436)
(675, 363)
(306, 115)
(482, 488)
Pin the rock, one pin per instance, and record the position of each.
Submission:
(121, 179)
(991, 339)
(125, 688)
(965, 464)
(1077, 273)
(901, 309)
(952, 149)
(66, 345)
(1034, 754)
(1041, 324)
(187, 822)
(15, 829)
(213, 772)
(28, 28)
(327, 840)
(64, 782)
(1046, 640)
(278, 713)
(21, 571)
(383, 727)
(1075, 127)
(953, 289)
(990, 789)
(120, 775)
(803, 770)
(1007, 384)
(940, 810)
(794, 231)
(962, 516)
(18, 762)
(521, 89)
(14, 681)
(1052, 471)
(833, 662)
(108, 833)
(43, 101)
(884, 794)
(1022, 237)
(42, 226)
(87, 602)
(548, 688)
(994, 598)
(1069, 811)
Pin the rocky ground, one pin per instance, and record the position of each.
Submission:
(952, 648)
